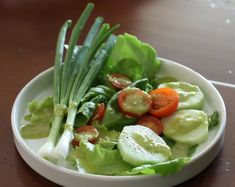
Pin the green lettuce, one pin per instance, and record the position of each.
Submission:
(98, 160)
(39, 119)
(107, 138)
(163, 168)
(132, 58)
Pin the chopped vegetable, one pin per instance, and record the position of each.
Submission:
(187, 126)
(134, 102)
(118, 81)
(86, 133)
(99, 112)
(151, 122)
(165, 102)
(180, 150)
(114, 119)
(190, 96)
(139, 145)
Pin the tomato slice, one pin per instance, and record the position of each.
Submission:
(88, 132)
(151, 122)
(134, 102)
(164, 102)
(99, 112)
(119, 81)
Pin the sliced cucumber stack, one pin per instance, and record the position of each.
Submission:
(139, 145)
(190, 96)
(187, 126)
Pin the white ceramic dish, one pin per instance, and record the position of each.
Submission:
(41, 86)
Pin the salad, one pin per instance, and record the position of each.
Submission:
(110, 114)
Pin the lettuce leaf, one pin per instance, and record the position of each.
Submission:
(164, 168)
(39, 119)
(98, 160)
(132, 58)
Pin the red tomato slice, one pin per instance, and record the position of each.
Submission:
(88, 132)
(151, 122)
(164, 102)
(119, 81)
(99, 112)
(134, 102)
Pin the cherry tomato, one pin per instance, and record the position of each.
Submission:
(119, 81)
(99, 112)
(87, 132)
(164, 102)
(151, 122)
(134, 102)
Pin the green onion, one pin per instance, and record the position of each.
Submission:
(60, 82)
(73, 78)
(62, 148)
(72, 42)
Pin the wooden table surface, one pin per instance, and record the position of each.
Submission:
(197, 33)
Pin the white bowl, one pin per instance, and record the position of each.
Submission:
(41, 86)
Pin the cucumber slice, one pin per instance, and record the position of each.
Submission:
(139, 145)
(190, 96)
(187, 126)
(182, 150)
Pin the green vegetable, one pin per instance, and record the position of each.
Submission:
(38, 120)
(190, 96)
(62, 148)
(87, 110)
(191, 150)
(97, 160)
(84, 114)
(113, 118)
(75, 77)
(163, 168)
(157, 81)
(186, 126)
(142, 84)
(213, 120)
(107, 138)
(98, 90)
(168, 141)
(180, 150)
(130, 53)
(139, 145)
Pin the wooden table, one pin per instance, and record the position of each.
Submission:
(197, 33)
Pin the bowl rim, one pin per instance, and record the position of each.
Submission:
(64, 170)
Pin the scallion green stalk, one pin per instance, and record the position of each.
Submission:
(62, 148)
(72, 43)
(60, 81)
(73, 78)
